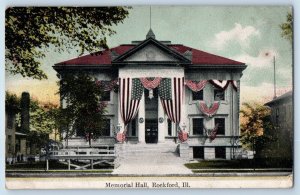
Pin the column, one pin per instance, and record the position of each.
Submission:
(161, 124)
(141, 124)
(120, 121)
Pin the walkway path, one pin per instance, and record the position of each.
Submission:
(151, 159)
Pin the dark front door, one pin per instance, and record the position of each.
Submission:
(151, 133)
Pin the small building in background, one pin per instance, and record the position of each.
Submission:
(282, 119)
(16, 142)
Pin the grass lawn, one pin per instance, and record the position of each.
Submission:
(240, 164)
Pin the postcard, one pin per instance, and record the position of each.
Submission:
(149, 97)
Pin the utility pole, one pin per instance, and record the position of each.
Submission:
(150, 17)
(274, 77)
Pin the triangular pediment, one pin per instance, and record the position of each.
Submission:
(151, 51)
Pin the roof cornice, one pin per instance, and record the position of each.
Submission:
(217, 66)
(182, 59)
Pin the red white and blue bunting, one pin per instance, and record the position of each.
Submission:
(194, 86)
(150, 83)
(120, 137)
(211, 133)
(223, 84)
(182, 136)
(209, 111)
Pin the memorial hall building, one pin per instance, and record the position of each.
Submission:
(159, 92)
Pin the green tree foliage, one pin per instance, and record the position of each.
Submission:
(84, 111)
(287, 27)
(12, 103)
(255, 123)
(43, 119)
(42, 123)
(29, 31)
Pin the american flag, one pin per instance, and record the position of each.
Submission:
(171, 94)
(211, 133)
(131, 91)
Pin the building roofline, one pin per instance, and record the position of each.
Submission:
(280, 98)
(131, 51)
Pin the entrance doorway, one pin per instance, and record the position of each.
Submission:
(151, 130)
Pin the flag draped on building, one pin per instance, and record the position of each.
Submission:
(171, 92)
(182, 135)
(211, 133)
(130, 94)
(194, 86)
(209, 111)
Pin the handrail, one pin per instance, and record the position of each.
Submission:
(82, 152)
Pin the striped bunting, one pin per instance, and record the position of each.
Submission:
(223, 84)
(195, 86)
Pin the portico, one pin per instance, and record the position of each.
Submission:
(151, 117)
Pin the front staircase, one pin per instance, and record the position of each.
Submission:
(149, 159)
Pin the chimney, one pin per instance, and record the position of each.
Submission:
(25, 102)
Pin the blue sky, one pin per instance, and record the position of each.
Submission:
(241, 33)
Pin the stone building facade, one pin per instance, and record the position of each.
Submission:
(204, 94)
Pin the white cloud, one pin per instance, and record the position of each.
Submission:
(264, 59)
(238, 34)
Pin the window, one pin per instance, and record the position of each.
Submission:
(106, 127)
(105, 96)
(198, 152)
(169, 127)
(197, 95)
(221, 125)
(197, 126)
(220, 152)
(219, 94)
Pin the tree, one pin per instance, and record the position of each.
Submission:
(12, 103)
(84, 111)
(30, 31)
(287, 27)
(255, 122)
(42, 119)
(42, 123)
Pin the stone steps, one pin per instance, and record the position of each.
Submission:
(150, 159)
(150, 153)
